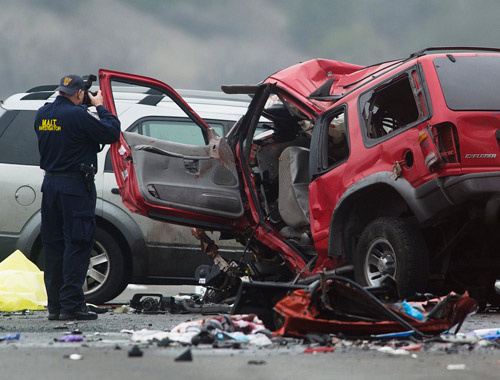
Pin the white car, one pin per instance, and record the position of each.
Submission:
(128, 248)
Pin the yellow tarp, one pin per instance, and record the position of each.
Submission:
(21, 284)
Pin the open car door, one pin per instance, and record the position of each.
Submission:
(192, 183)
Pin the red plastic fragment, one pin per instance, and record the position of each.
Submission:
(304, 313)
(316, 350)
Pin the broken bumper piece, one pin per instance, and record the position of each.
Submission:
(340, 306)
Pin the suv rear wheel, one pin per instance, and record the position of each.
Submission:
(105, 276)
(392, 246)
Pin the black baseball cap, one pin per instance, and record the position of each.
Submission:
(70, 84)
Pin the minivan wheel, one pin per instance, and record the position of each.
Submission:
(106, 271)
(394, 247)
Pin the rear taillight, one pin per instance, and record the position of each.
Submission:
(431, 154)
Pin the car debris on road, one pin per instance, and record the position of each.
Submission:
(247, 332)
(339, 305)
(333, 306)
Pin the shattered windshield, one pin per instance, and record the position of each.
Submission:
(470, 83)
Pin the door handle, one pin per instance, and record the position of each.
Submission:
(115, 190)
(192, 166)
(153, 149)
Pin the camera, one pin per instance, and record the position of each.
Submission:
(88, 80)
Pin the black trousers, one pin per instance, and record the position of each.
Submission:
(68, 226)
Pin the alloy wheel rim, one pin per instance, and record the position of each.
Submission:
(98, 270)
(380, 260)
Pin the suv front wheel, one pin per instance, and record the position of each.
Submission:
(105, 276)
(392, 246)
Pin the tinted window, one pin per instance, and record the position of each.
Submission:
(389, 108)
(6, 118)
(2, 112)
(470, 83)
(18, 142)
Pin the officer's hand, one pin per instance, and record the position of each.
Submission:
(96, 100)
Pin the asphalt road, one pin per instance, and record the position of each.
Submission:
(107, 342)
(132, 289)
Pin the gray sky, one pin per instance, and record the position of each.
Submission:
(202, 44)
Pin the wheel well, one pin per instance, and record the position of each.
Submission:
(37, 258)
(359, 209)
(120, 239)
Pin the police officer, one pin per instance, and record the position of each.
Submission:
(69, 138)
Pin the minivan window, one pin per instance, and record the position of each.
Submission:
(2, 111)
(470, 83)
(6, 118)
(18, 143)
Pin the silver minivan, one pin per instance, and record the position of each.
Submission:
(128, 248)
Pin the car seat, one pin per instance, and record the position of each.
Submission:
(293, 201)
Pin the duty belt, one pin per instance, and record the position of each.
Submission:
(64, 174)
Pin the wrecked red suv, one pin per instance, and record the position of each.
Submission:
(392, 168)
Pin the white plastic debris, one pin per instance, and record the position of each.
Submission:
(136, 287)
(455, 367)
(460, 338)
(393, 351)
(123, 309)
(260, 340)
(145, 335)
(489, 333)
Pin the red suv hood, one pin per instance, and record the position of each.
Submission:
(304, 78)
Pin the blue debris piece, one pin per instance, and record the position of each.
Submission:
(10, 337)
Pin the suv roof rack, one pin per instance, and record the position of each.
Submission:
(444, 48)
(152, 96)
(205, 94)
(47, 87)
(42, 95)
(322, 92)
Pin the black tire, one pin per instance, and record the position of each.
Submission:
(392, 246)
(106, 274)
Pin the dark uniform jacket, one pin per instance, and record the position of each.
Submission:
(69, 135)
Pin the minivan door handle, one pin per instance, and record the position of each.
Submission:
(115, 190)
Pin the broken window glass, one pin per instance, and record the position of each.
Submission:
(389, 108)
